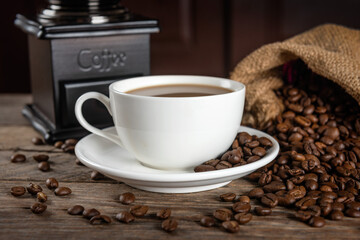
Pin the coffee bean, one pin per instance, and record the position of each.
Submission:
(41, 158)
(274, 186)
(71, 141)
(259, 151)
(352, 213)
(204, 168)
(336, 206)
(264, 179)
(76, 210)
(68, 149)
(352, 205)
(18, 191)
(78, 162)
(38, 207)
(58, 144)
(223, 165)
(37, 141)
(244, 199)
(95, 175)
(270, 200)
(314, 210)
(305, 202)
(212, 162)
(169, 225)
(243, 218)
(41, 197)
(336, 215)
(227, 197)
(261, 211)
(52, 183)
(100, 219)
(207, 221)
(241, 207)
(62, 191)
(256, 193)
(231, 226)
(125, 217)
(222, 214)
(265, 142)
(164, 213)
(139, 210)
(303, 215)
(317, 222)
(44, 166)
(244, 137)
(18, 158)
(89, 213)
(33, 189)
(127, 198)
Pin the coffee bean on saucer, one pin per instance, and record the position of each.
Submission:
(243, 218)
(207, 221)
(58, 144)
(169, 225)
(52, 183)
(125, 217)
(127, 198)
(95, 175)
(227, 197)
(41, 197)
(33, 189)
(41, 158)
(261, 211)
(164, 213)
(17, 158)
(231, 226)
(76, 210)
(62, 191)
(38, 207)
(204, 168)
(139, 210)
(88, 213)
(37, 141)
(100, 219)
(44, 166)
(18, 191)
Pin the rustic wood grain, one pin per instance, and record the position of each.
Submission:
(17, 221)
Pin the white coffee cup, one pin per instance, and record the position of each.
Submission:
(170, 132)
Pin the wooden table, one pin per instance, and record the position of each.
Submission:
(18, 222)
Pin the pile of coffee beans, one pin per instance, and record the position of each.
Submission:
(245, 149)
(36, 190)
(67, 146)
(317, 172)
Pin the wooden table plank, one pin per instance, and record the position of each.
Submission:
(17, 221)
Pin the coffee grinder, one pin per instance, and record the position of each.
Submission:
(77, 46)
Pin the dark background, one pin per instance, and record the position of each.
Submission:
(203, 37)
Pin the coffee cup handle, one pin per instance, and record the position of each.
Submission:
(78, 113)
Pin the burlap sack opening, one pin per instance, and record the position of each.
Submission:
(329, 50)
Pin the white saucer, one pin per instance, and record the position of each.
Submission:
(115, 162)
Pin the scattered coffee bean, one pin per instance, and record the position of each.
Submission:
(71, 141)
(58, 144)
(89, 213)
(231, 226)
(76, 210)
(317, 222)
(243, 218)
(303, 215)
(18, 158)
(244, 199)
(52, 183)
(44, 166)
(38, 207)
(41, 197)
(62, 191)
(261, 211)
(95, 175)
(127, 198)
(241, 207)
(352, 213)
(336, 215)
(269, 200)
(256, 193)
(33, 189)
(222, 214)
(207, 221)
(169, 225)
(37, 141)
(139, 210)
(125, 217)
(228, 197)
(41, 158)
(100, 219)
(164, 213)
(18, 191)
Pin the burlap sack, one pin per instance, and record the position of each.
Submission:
(329, 50)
